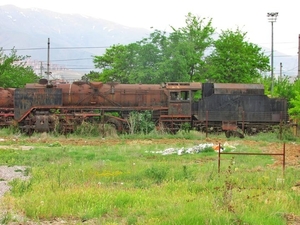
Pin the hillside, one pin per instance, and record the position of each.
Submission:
(73, 38)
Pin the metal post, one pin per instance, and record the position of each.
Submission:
(283, 159)
(272, 59)
(280, 74)
(219, 158)
(41, 68)
(272, 18)
(243, 123)
(206, 123)
(280, 126)
(48, 60)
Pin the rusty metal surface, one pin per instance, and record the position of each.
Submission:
(207, 105)
(114, 94)
(25, 99)
(183, 108)
(42, 123)
(238, 86)
(6, 97)
(183, 86)
(229, 125)
(249, 89)
(241, 108)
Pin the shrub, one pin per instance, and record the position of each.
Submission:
(140, 122)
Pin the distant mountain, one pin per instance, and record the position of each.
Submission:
(73, 38)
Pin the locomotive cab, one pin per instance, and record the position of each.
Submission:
(181, 97)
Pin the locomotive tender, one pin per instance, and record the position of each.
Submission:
(208, 107)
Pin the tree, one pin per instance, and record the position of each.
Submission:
(117, 62)
(159, 58)
(134, 63)
(266, 80)
(91, 76)
(13, 71)
(235, 60)
(190, 45)
(294, 111)
(180, 55)
(283, 88)
(146, 60)
(294, 103)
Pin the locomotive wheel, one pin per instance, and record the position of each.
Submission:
(238, 134)
(27, 126)
(249, 131)
(115, 123)
(228, 133)
(28, 131)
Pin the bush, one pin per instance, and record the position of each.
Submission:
(140, 122)
(87, 129)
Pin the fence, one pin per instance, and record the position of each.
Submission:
(248, 153)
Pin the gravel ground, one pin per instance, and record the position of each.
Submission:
(7, 174)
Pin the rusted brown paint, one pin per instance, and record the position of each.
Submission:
(229, 125)
(6, 97)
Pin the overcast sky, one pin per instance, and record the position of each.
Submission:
(249, 16)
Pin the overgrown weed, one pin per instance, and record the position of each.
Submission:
(119, 183)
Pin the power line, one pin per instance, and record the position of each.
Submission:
(80, 47)
(55, 48)
(284, 56)
(60, 60)
(79, 68)
(265, 43)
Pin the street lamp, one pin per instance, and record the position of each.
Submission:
(272, 18)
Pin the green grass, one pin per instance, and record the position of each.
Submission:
(124, 181)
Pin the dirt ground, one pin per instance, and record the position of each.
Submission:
(291, 149)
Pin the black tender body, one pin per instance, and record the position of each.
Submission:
(230, 107)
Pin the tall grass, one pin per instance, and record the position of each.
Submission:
(127, 182)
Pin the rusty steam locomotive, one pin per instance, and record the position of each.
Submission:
(207, 107)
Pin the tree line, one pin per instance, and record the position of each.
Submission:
(191, 53)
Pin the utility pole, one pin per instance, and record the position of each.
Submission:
(272, 18)
(41, 69)
(280, 76)
(48, 61)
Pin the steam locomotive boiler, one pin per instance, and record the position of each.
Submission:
(209, 107)
(40, 107)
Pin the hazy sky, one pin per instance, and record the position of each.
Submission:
(249, 16)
